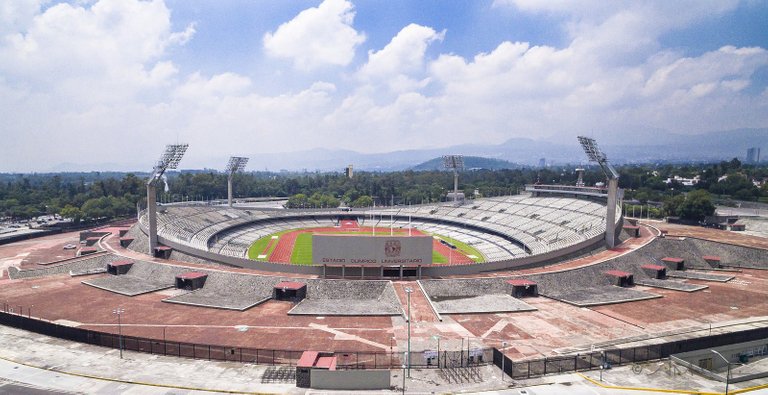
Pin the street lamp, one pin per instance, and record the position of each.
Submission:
(119, 311)
(391, 352)
(408, 292)
(403, 379)
(728, 371)
(437, 337)
(503, 372)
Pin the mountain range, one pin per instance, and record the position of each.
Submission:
(648, 147)
(651, 146)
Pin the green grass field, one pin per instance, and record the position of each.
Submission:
(465, 249)
(302, 250)
(259, 245)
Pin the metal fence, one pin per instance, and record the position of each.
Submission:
(619, 356)
(345, 359)
(465, 358)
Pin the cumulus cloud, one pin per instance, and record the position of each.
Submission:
(317, 36)
(104, 52)
(77, 77)
(403, 54)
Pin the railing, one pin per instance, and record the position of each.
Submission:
(619, 356)
(13, 316)
(588, 191)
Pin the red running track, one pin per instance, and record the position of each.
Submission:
(286, 243)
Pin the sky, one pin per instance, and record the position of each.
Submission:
(105, 84)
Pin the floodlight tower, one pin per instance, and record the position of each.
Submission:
(236, 163)
(596, 155)
(169, 160)
(580, 172)
(456, 163)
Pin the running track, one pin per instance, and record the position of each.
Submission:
(286, 243)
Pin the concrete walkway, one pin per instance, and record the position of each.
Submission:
(37, 364)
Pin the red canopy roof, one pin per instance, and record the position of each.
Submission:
(670, 259)
(191, 275)
(710, 258)
(520, 282)
(617, 273)
(326, 363)
(162, 248)
(653, 267)
(313, 359)
(307, 359)
(292, 285)
(121, 263)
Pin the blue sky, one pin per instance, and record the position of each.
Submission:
(252, 76)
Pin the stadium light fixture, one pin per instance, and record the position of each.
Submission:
(168, 160)
(595, 154)
(455, 163)
(235, 164)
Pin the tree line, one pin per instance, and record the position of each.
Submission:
(89, 196)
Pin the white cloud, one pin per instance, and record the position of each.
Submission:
(317, 36)
(102, 53)
(404, 54)
(15, 16)
(74, 79)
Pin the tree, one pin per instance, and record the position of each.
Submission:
(71, 212)
(298, 200)
(672, 205)
(362, 201)
(697, 206)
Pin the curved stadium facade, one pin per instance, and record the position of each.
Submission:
(511, 231)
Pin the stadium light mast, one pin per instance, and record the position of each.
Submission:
(169, 160)
(596, 155)
(236, 163)
(455, 163)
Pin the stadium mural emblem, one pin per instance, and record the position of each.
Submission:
(392, 248)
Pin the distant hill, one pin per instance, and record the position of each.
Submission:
(470, 162)
(643, 146)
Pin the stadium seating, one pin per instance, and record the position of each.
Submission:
(501, 228)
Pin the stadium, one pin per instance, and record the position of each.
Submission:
(555, 279)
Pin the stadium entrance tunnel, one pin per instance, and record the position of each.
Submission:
(620, 278)
(522, 288)
(674, 263)
(655, 271)
(119, 267)
(191, 280)
(290, 291)
(163, 252)
(371, 272)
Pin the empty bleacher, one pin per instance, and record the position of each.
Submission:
(501, 228)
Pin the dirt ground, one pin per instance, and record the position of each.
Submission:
(554, 325)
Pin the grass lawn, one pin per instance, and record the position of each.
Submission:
(302, 250)
(465, 249)
(257, 248)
